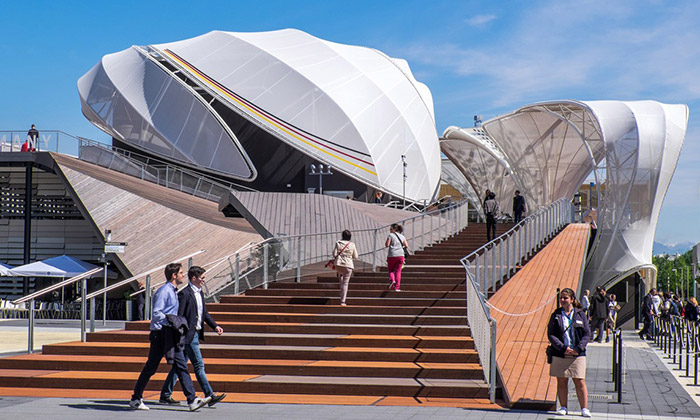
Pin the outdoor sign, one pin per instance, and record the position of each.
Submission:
(115, 247)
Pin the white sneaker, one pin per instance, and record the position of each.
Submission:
(199, 403)
(562, 411)
(138, 405)
(586, 412)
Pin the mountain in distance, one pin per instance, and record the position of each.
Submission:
(680, 248)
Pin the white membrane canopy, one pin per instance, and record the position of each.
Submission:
(479, 159)
(134, 100)
(351, 107)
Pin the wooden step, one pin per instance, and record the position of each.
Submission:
(324, 340)
(375, 354)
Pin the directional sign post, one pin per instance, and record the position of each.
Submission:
(110, 248)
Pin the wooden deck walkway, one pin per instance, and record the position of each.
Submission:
(522, 340)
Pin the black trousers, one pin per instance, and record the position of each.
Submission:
(155, 355)
(490, 228)
(647, 326)
(599, 324)
(518, 216)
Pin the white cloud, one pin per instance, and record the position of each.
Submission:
(480, 20)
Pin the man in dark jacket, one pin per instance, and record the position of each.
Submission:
(162, 336)
(599, 312)
(647, 313)
(518, 207)
(193, 308)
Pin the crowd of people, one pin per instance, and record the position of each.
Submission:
(665, 305)
(492, 212)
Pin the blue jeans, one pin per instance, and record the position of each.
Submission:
(195, 356)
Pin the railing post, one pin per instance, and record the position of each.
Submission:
(147, 299)
(236, 273)
(374, 252)
(92, 315)
(422, 230)
(265, 265)
(298, 279)
(476, 268)
(492, 367)
(439, 239)
(190, 263)
(432, 241)
(508, 259)
(83, 311)
(167, 175)
(30, 333)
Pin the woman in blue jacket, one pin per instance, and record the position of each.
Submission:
(568, 332)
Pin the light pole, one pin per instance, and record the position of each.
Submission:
(674, 279)
(321, 171)
(403, 160)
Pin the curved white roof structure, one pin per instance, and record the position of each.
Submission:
(481, 161)
(552, 147)
(347, 106)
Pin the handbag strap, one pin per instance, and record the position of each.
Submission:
(341, 251)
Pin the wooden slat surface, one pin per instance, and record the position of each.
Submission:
(522, 340)
(159, 224)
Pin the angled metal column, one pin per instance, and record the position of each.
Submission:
(27, 221)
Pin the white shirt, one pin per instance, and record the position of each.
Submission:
(566, 321)
(200, 307)
(656, 301)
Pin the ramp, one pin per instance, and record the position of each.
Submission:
(528, 299)
(160, 224)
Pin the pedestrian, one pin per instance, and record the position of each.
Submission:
(518, 207)
(396, 257)
(611, 322)
(491, 210)
(679, 306)
(164, 337)
(378, 197)
(599, 313)
(648, 312)
(343, 253)
(691, 309)
(586, 301)
(194, 309)
(568, 332)
(33, 137)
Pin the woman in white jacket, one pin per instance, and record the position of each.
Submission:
(344, 252)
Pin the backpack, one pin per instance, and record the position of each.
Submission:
(673, 309)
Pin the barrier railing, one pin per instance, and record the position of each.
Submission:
(31, 307)
(498, 260)
(49, 141)
(154, 170)
(283, 257)
(678, 337)
(617, 363)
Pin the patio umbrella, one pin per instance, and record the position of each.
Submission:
(63, 266)
(5, 269)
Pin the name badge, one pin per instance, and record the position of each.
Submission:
(579, 322)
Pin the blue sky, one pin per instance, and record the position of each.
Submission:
(477, 57)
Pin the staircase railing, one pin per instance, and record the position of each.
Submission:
(154, 170)
(283, 257)
(498, 260)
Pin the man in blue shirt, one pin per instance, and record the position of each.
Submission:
(165, 303)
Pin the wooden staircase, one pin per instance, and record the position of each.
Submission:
(294, 343)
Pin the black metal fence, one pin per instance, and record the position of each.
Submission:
(679, 339)
(617, 363)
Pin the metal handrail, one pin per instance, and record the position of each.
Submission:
(148, 161)
(32, 296)
(57, 286)
(519, 242)
(132, 278)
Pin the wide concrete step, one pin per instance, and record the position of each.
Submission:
(296, 328)
(405, 281)
(325, 340)
(36, 362)
(376, 354)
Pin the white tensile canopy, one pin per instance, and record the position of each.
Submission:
(5, 269)
(350, 107)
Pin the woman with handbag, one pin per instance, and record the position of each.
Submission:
(568, 332)
(398, 248)
(343, 253)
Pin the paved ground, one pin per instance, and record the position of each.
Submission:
(652, 391)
